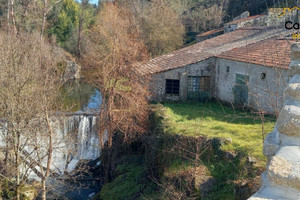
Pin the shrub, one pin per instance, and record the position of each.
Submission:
(131, 182)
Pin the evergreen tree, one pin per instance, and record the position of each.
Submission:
(67, 20)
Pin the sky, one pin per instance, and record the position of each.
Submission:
(94, 1)
(91, 1)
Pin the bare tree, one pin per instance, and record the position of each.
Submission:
(26, 14)
(197, 16)
(162, 29)
(28, 94)
(117, 47)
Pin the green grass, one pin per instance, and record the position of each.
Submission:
(131, 181)
(214, 120)
(177, 165)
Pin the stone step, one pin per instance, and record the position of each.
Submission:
(276, 193)
(283, 168)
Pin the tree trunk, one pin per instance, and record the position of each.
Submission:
(44, 195)
(68, 160)
(17, 164)
(44, 19)
(13, 16)
(6, 153)
(79, 35)
(8, 13)
(49, 157)
(102, 124)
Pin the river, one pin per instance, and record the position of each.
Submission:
(75, 141)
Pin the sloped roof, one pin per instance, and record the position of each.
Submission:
(244, 19)
(211, 32)
(207, 49)
(271, 52)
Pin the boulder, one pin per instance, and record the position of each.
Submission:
(72, 71)
(288, 121)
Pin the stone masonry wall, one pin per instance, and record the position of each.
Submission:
(263, 94)
(158, 81)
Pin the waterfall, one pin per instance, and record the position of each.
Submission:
(88, 138)
(75, 138)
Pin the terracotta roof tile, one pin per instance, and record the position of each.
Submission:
(206, 49)
(271, 52)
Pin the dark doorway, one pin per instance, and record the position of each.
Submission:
(240, 89)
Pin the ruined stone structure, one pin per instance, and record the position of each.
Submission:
(252, 21)
(281, 180)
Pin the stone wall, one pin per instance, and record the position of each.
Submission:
(272, 19)
(281, 180)
(275, 21)
(158, 81)
(264, 93)
(256, 22)
(242, 16)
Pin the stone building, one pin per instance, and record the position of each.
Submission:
(273, 18)
(252, 21)
(281, 180)
(244, 65)
(254, 75)
(276, 17)
(206, 69)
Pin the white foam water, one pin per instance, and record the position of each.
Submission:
(75, 137)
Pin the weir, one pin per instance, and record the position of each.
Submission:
(75, 138)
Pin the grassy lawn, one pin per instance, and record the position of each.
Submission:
(215, 120)
(168, 166)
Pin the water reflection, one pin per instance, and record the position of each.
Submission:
(79, 96)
